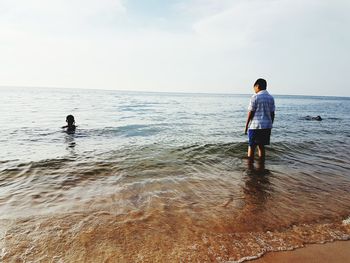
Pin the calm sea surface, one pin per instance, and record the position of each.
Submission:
(162, 177)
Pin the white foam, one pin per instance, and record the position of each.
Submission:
(346, 221)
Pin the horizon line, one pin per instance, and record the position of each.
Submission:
(171, 92)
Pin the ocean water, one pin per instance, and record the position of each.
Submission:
(161, 177)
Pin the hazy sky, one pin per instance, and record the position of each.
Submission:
(299, 46)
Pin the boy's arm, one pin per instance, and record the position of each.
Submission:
(251, 112)
(272, 116)
(249, 118)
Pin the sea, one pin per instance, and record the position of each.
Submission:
(163, 177)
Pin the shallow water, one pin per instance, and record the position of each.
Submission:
(162, 177)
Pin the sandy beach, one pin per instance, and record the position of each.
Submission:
(336, 252)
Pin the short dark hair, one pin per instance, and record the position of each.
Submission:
(261, 83)
(70, 119)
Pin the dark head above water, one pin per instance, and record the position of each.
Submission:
(70, 123)
(311, 118)
(70, 120)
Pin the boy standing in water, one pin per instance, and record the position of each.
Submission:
(261, 114)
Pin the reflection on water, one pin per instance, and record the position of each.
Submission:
(69, 140)
(256, 192)
(257, 188)
(257, 168)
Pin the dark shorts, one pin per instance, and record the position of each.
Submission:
(259, 137)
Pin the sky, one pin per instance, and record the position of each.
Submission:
(300, 46)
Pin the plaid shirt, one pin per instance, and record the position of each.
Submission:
(262, 104)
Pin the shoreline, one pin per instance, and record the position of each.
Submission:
(335, 252)
(101, 235)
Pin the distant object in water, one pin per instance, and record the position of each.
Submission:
(311, 118)
(70, 124)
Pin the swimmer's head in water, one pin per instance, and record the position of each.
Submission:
(70, 120)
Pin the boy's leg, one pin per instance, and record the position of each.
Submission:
(252, 145)
(261, 152)
(251, 151)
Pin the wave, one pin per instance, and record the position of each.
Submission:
(158, 155)
(132, 130)
(139, 236)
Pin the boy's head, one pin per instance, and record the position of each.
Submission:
(260, 84)
(70, 119)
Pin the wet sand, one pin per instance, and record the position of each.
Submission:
(336, 252)
(151, 236)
